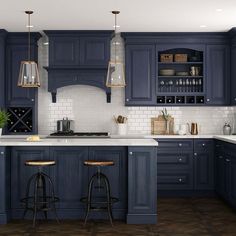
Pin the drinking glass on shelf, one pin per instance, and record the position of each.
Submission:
(177, 86)
(194, 84)
(184, 88)
(187, 85)
(171, 85)
(180, 85)
(200, 85)
(162, 83)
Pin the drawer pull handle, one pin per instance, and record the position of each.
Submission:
(180, 159)
(180, 144)
(195, 154)
(180, 180)
(220, 157)
(203, 144)
(228, 160)
(2, 153)
(131, 153)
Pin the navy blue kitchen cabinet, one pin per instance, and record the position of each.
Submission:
(185, 164)
(116, 174)
(203, 164)
(4, 185)
(78, 58)
(142, 197)
(21, 174)
(226, 171)
(17, 98)
(233, 75)
(2, 68)
(175, 164)
(140, 74)
(17, 51)
(70, 178)
(74, 49)
(218, 75)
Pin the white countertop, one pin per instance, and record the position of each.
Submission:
(78, 142)
(226, 138)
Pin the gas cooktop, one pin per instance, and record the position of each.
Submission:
(79, 135)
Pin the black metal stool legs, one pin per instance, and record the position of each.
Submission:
(40, 201)
(101, 178)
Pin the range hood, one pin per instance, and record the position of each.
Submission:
(78, 58)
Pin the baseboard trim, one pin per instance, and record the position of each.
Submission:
(141, 219)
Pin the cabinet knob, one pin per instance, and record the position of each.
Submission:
(32, 100)
(180, 180)
(228, 160)
(2, 153)
(203, 144)
(234, 99)
(195, 154)
(130, 153)
(180, 144)
(208, 100)
(127, 99)
(180, 159)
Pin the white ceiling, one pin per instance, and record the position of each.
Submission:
(136, 15)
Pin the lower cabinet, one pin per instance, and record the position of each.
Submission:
(69, 175)
(185, 164)
(142, 198)
(225, 155)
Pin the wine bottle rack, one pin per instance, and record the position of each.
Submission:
(21, 120)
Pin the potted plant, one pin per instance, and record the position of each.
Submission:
(4, 117)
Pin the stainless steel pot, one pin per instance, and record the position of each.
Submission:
(64, 125)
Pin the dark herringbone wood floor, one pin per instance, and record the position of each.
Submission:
(176, 217)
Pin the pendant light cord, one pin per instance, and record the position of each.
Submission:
(29, 37)
(115, 35)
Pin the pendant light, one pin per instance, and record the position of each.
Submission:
(115, 73)
(29, 74)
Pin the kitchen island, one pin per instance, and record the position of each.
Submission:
(133, 177)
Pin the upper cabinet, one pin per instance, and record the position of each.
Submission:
(218, 75)
(140, 74)
(77, 49)
(17, 51)
(2, 68)
(78, 58)
(177, 69)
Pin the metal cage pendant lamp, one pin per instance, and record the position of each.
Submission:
(29, 74)
(115, 72)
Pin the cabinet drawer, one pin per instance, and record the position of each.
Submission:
(203, 144)
(178, 144)
(174, 181)
(174, 160)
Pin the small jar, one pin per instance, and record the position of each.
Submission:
(227, 129)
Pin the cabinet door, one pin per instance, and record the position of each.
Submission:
(142, 184)
(116, 174)
(17, 95)
(64, 51)
(20, 173)
(94, 51)
(2, 72)
(233, 75)
(233, 181)
(220, 174)
(218, 72)
(204, 164)
(70, 176)
(140, 74)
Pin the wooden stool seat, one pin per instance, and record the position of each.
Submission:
(40, 163)
(98, 163)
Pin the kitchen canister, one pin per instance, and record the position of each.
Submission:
(227, 129)
(122, 129)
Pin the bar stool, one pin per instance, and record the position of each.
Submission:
(97, 204)
(41, 199)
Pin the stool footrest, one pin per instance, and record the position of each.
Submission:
(98, 200)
